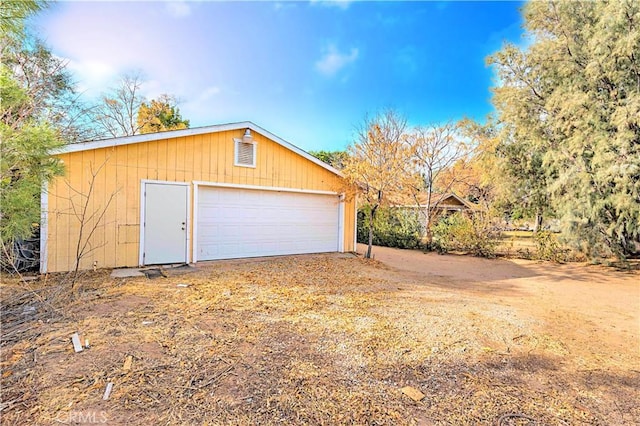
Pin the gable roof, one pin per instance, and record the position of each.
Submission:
(169, 134)
(439, 199)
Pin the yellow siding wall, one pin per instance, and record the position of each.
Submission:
(114, 242)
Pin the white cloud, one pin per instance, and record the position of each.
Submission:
(178, 8)
(284, 5)
(340, 4)
(333, 60)
(92, 76)
(96, 77)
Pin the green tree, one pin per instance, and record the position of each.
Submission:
(14, 13)
(159, 115)
(335, 159)
(522, 134)
(526, 193)
(475, 175)
(569, 112)
(49, 86)
(25, 164)
(43, 76)
(26, 133)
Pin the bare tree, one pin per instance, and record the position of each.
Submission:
(117, 113)
(436, 149)
(379, 164)
(90, 218)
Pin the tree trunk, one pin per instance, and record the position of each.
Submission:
(371, 216)
(538, 224)
(427, 224)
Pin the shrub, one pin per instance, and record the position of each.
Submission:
(393, 227)
(459, 232)
(548, 247)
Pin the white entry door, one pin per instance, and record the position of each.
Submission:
(236, 223)
(165, 223)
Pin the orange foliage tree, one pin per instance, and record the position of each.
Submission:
(437, 150)
(380, 164)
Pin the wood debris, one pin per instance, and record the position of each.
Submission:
(107, 391)
(75, 339)
(127, 363)
(413, 393)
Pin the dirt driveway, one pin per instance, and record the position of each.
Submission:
(327, 339)
(596, 309)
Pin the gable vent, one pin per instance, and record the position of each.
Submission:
(245, 150)
(245, 154)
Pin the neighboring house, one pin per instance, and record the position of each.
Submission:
(443, 204)
(217, 192)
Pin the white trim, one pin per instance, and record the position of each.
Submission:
(44, 227)
(143, 183)
(264, 188)
(237, 141)
(194, 241)
(355, 224)
(188, 236)
(148, 137)
(141, 222)
(341, 224)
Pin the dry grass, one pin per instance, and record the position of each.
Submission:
(519, 244)
(298, 340)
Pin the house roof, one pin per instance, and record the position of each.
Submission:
(440, 200)
(150, 137)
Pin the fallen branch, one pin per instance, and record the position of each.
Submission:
(210, 382)
(513, 416)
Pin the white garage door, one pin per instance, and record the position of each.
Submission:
(236, 223)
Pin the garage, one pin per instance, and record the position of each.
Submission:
(223, 191)
(238, 222)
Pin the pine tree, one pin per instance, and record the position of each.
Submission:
(28, 132)
(569, 109)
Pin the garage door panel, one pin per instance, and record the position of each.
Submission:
(235, 223)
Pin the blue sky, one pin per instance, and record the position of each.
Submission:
(307, 71)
